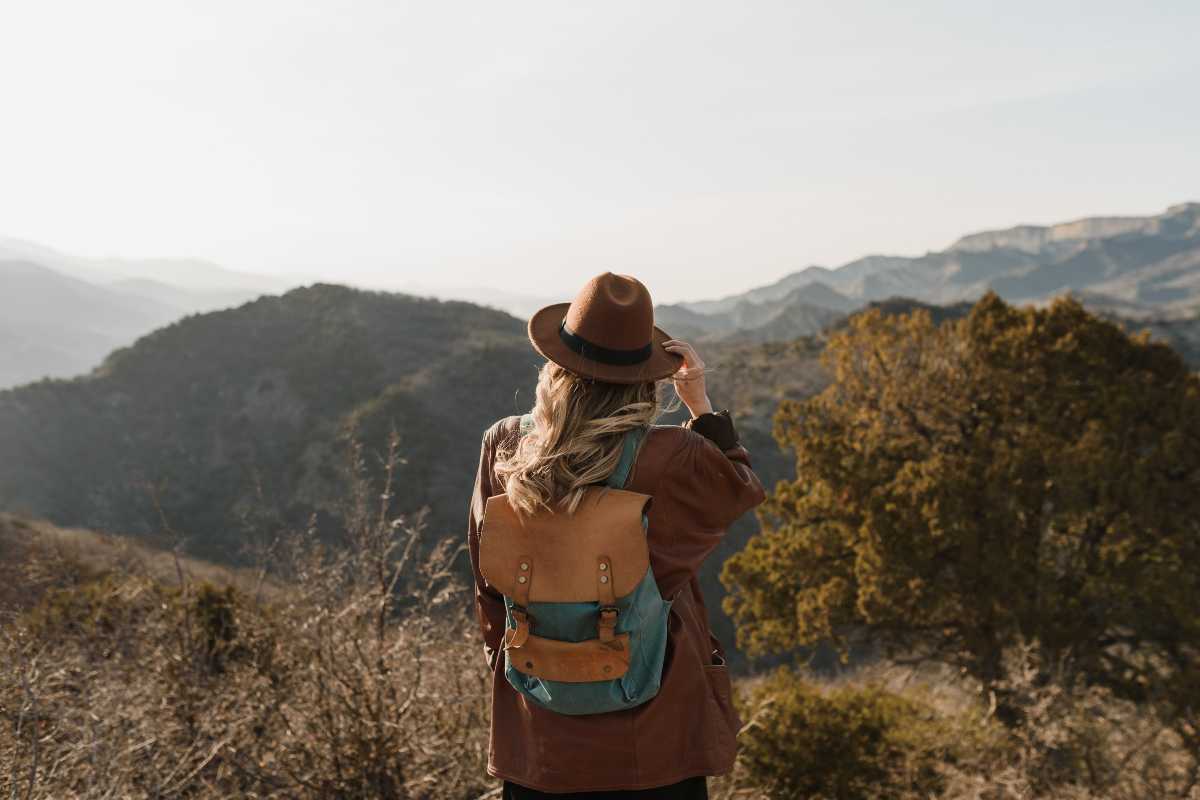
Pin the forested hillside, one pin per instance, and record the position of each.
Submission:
(236, 420)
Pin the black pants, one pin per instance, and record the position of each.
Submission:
(690, 789)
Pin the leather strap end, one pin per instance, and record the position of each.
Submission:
(523, 580)
(607, 626)
(604, 582)
(514, 638)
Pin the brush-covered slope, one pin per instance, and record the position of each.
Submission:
(36, 557)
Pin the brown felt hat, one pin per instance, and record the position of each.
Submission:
(606, 333)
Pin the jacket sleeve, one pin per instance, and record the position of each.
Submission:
(489, 604)
(716, 426)
(704, 489)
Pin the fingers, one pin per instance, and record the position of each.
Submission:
(689, 372)
(674, 345)
(692, 368)
(690, 358)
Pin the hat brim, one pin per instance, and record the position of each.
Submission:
(543, 335)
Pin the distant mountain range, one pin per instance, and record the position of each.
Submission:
(520, 304)
(63, 314)
(183, 273)
(760, 315)
(1139, 267)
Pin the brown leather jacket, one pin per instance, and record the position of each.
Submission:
(688, 729)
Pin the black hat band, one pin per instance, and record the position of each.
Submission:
(605, 355)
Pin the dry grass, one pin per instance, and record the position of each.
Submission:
(135, 680)
(36, 556)
(350, 671)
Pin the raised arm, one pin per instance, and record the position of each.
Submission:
(707, 484)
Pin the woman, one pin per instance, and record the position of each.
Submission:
(606, 366)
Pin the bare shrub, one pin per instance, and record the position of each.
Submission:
(362, 677)
(869, 730)
(1076, 742)
(806, 738)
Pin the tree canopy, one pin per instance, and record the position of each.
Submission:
(1017, 474)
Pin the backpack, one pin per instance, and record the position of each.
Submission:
(586, 626)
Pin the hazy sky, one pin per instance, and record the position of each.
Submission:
(706, 147)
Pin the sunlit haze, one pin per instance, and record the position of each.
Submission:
(705, 147)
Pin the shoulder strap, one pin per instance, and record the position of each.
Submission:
(620, 475)
(629, 448)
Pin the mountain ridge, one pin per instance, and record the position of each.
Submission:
(1020, 236)
(58, 323)
(186, 273)
(1141, 263)
(90, 321)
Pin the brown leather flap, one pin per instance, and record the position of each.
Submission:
(566, 548)
(572, 662)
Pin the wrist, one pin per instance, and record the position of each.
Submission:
(700, 407)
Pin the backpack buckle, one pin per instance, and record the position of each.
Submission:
(607, 625)
(515, 637)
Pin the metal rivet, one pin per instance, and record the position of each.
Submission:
(522, 579)
(524, 565)
(528, 665)
(603, 567)
(604, 579)
(607, 668)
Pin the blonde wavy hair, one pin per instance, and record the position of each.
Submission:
(576, 438)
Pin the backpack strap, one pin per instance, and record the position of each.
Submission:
(620, 475)
(522, 581)
(607, 624)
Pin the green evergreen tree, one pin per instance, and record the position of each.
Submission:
(1015, 474)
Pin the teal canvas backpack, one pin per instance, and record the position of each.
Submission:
(586, 626)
